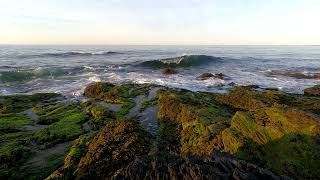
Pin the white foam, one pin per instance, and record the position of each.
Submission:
(95, 79)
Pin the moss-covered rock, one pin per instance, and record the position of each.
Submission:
(281, 138)
(148, 103)
(117, 144)
(198, 116)
(67, 126)
(49, 114)
(13, 120)
(14, 150)
(77, 151)
(18, 103)
(313, 91)
(108, 92)
(96, 90)
(99, 115)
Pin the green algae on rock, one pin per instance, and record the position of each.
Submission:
(13, 120)
(313, 91)
(19, 103)
(77, 151)
(199, 117)
(117, 144)
(264, 117)
(270, 128)
(67, 126)
(99, 114)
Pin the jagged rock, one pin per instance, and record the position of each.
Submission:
(313, 91)
(166, 166)
(169, 71)
(117, 144)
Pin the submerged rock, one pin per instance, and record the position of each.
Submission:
(297, 75)
(206, 76)
(169, 71)
(313, 91)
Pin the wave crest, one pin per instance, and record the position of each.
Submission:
(182, 61)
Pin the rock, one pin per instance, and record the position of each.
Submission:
(184, 113)
(232, 84)
(297, 75)
(116, 145)
(95, 90)
(166, 166)
(206, 76)
(78, 149)
(313, 91)
(219, 76)
(169, 71)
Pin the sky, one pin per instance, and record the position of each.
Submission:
(160, 22)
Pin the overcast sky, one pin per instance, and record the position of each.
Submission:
(193, 22)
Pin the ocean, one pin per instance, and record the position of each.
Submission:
(68, 69)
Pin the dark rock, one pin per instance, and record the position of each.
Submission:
(297, 75)
(206, 76)
(313, 91)
(169, 71)
(167, 166)
(232, 84)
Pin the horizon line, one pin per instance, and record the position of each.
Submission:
(89, 44)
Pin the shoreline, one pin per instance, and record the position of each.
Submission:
(162, 126)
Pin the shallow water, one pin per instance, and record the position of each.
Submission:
(67, 69)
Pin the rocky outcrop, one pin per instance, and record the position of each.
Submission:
(116, 145)
(169, 71)
(197, 118)
(166, 166)
(206, 76)
(77, 151)
(313, 91)
(272, 125)
(272, 129)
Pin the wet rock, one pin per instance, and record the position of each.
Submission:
(297, 75)
(169, 71)
(96, 90)
(313, 91)
(117, 144)
(206, 76)
(232, 84)
(78, 149)
(186, 113)
(166, 166)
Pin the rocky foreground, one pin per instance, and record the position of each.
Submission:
(146, 131)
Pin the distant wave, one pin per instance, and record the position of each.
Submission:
(22, 75)
(70, 54)
(182, 61)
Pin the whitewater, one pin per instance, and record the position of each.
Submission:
(68, 69)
